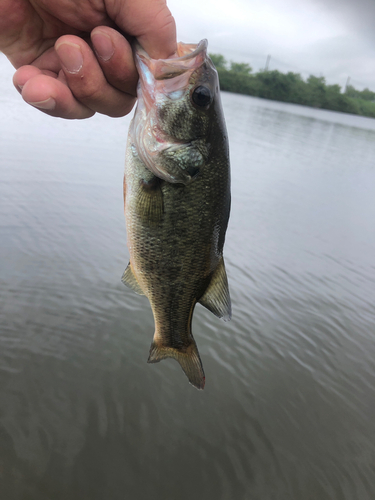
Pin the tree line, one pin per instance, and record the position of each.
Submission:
(291, 87)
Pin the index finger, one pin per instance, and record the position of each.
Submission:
(151, 22)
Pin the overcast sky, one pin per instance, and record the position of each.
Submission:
(331, 38)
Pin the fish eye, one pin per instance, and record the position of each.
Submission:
(201, 96)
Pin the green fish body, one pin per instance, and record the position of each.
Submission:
(177, 199)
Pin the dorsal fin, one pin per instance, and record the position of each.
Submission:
(216, 298)
(130, 280)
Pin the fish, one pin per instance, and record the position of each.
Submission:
(177, 199)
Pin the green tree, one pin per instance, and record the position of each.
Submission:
(291, 87)
(367, 95)
(278, 86)
(218, 60)
(351, 92)
(240, 83)
(242, 68)
(316, 91)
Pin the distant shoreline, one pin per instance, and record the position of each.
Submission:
(290, 87)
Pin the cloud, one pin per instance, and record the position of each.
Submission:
(358, 16)
(334, 38)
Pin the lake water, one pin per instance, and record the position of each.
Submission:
(288, 411)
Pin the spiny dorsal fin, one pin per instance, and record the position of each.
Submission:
(130, 280)
(150, 201)
(216, 298)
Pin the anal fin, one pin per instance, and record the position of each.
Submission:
(216, 298)
(130, 280)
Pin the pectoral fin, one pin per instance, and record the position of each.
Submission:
(130, 280)
(216, 298)
(150, 201)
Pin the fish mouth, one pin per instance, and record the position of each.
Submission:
(167, 75)
(189, 56)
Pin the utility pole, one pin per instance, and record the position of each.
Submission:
(347, 84)
(267, 62)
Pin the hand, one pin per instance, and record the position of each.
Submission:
(71, 58)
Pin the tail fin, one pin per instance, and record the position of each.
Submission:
(188, 358)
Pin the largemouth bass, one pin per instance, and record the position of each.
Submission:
(177, 199)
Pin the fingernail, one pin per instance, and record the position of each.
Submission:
(103, 45)
(47, 104)
(71, 56)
